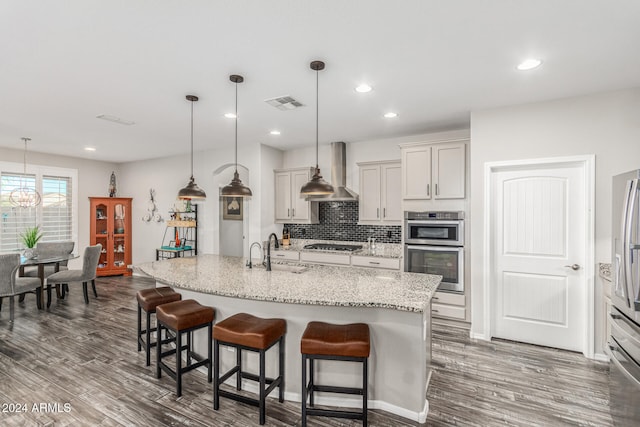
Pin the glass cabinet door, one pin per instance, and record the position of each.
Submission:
(102, 232)
(119, 235)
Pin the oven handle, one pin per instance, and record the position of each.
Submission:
(435, 248)
(432, 222)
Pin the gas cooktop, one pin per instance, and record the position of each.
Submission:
(333, 247)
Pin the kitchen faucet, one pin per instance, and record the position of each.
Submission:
(249, 264)
(276, 246)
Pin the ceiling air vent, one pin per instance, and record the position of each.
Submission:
(284, 103)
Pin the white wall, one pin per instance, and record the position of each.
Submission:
(167, 175)
(93, 180)
(606, 125)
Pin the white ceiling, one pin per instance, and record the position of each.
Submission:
(431, 61)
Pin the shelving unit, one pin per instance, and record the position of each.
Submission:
(185, 230)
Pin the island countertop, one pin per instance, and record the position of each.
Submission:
(316, 285)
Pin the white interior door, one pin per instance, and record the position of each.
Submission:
(539, 252)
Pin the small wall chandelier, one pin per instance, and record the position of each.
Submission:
(316, 186)
(23, 196)
(192, 191)
(236, 188)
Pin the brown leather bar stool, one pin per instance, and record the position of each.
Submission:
(182, 317)
(325, 341)
(148, 300)
(246, 332)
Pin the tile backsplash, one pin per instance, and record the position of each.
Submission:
(339, 221)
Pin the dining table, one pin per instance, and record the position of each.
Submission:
(41, 262)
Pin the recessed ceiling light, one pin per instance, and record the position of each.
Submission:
(390, 115)
(230, 116)
(529, 64)
(275, 132)
(89, 149)
(364, 88)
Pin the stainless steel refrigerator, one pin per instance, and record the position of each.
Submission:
(624, 340)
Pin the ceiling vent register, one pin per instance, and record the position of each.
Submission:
(284, 103)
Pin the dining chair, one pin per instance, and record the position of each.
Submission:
(49, 250)
(12, 285)
(88, 273)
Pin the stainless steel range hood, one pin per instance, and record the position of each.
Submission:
(338, 177)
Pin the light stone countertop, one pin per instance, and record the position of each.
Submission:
(317, 285)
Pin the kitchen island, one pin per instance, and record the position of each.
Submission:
(396, 305)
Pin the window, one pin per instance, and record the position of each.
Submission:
(56, 215)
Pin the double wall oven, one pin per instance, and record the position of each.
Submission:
(434, 244)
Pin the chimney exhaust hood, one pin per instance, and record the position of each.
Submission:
(338, 177)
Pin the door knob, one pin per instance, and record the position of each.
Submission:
(573, 266)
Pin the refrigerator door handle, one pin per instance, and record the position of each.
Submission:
(626, 237)
(630, 247)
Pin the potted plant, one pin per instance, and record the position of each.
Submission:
(30, 237)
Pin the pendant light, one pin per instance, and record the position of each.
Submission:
(317, 186)
(236, 188)
(23, 196)
(192, 191)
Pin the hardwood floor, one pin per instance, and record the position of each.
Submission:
(85, 355)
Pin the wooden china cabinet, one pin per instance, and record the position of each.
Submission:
(111, 227)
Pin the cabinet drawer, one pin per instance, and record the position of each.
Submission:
(375, 262)
(288, 255)
(449, 298)
(325, 258)
(440, 310)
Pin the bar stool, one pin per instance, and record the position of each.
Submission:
(182, 317)
(325, 341)
(246, 332)
(148, 300)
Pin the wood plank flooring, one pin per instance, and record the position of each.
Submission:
(85, 355)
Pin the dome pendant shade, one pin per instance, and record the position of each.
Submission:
(236, 188)
(192, 191)
(317, 186)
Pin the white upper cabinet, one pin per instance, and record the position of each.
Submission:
(434, 171)
(380, 201)
(290, 207)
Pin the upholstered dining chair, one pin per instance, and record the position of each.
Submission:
(88, 273)
(48, 250)
(12, 285)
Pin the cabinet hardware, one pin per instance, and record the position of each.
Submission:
(377, 212)
(374, 263)
(434, 311)
(293, 212)
(437, 192)
(288, 211)
(384, 212)
(574, 267)
(435, 298)
(428, 192)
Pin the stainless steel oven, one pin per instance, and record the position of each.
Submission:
(434, 244)
(434, 228)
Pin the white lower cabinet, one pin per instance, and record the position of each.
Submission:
(449, 305)
(286, 255)
(325, 258)
(375, 262)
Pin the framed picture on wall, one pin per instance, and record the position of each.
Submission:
(232, 208)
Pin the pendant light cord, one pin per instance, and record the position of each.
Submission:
(236, 127)
(191, 138)
(316, 119)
